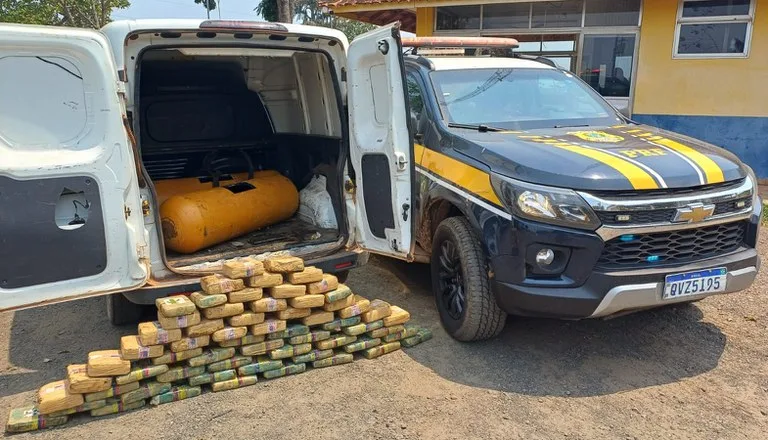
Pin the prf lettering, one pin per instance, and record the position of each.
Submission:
(644, 152)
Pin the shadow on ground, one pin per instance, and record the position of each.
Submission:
(544, 357)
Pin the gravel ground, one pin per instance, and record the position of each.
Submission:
(690, 371)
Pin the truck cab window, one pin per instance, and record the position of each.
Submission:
(415, 96)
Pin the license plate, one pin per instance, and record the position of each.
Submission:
(695, 283)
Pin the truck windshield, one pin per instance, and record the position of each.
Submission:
(520, 99)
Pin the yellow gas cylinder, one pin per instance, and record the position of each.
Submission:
(201, 219)
(171, 187)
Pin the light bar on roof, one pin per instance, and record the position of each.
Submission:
(243, 25)
(467, 42)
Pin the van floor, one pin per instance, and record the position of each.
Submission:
(286, 234)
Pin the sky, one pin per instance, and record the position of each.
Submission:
(236, 9)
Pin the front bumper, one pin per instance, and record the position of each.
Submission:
(607, 293)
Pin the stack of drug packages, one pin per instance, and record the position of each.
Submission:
(272, 318)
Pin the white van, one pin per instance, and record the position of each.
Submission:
(91, 120)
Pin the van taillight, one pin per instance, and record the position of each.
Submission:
(243, 24)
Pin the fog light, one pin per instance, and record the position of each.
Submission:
(545, 257)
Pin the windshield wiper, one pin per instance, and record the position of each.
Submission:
(571, 126)
(481, 128)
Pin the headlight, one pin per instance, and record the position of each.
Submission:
(755, 191)
(545, 204)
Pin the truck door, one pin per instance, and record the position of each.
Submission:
(380, 142)
(70, 214)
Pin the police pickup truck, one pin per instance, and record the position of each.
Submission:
(526, 190)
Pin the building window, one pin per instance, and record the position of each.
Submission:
(612, 13)
(714, 28)
(557, 14)
(507, 16)
(458, 17)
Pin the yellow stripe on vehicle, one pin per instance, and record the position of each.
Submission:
(476, 181)
(638, 177)
(712, 171)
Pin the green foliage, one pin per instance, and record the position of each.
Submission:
(74, 13)
(211, 4)
(309, 12)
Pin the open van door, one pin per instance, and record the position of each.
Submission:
(71, 222)
(380, 142)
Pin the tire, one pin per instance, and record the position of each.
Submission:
(467, 307)
(121, 311)
(342, 276)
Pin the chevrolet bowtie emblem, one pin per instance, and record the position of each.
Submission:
(693, 213)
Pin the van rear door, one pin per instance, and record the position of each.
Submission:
(380, 142)
(70, 213)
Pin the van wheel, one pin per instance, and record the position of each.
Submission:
(467, 307)
(121, 311)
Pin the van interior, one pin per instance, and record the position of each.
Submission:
(218, 113)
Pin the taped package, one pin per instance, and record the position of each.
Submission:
(342, 303)
(245, 295)
(230, 364)
(422, 335)
(336, 359)
(293, 313)
(218, 376)
(287, 351)
(239, 382)
(382, 349)
(360, 306)
(397, 317)
(132, 350)
(317, 335)
(176, 393)
(205, 327)
(361, 328)
(79, 381)
(378, 333)
(399, 333)
(335, 341)
(284, 265)
(145, 391)
(362, 343)
(265, 280)
(231, 344)
(307, 301)
(176, 305)
(314, 355)
(115, 406)
(176, 322)
(224, 310)
(179, 373)
(263, 364)
(28, 418)
(116, 390)
(252, 339)
(185, 344)
(104, 363)
(261, 347)
(204, 300)
(246, 318)
(244, 268)
(378, 310)
(287, 291)
(152, 333)
(268, 326)
(337, 324)
(170, 357)
(308, 275)
(54, 397)
(141, 373)
(318, 317)
(229, 333)
(341, 292)
(211, 355)
(328, 283)
(287, 369)
(87, 406)
(268, 305)
(217, 284)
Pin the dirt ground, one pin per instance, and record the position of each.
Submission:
(691, 371)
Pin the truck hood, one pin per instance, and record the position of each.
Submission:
(627, 157)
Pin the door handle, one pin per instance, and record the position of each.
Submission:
(401, 161)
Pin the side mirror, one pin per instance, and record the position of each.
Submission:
(417, 137)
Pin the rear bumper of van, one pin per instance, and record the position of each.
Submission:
(334, 263)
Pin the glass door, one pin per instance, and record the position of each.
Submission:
(607, 62)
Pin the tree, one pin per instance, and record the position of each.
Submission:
(309, 12)
(209, 4)
(74, 13)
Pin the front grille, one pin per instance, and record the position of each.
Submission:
(670, 192)
(666, 215)
(647, 250)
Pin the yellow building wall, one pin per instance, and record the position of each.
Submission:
(704, 87)
(425, 22)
